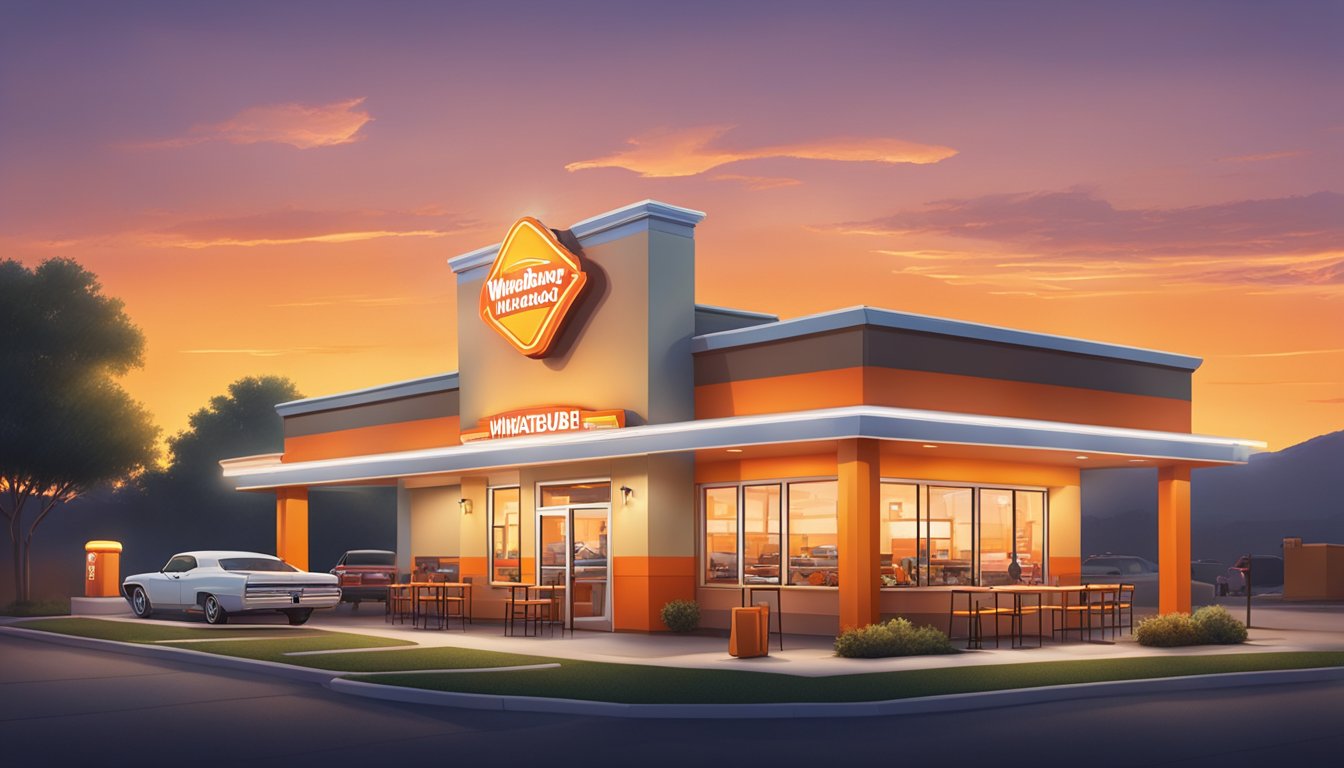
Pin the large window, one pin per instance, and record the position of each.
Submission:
(721, 535)
(814, 537)
(950, 542)
(746, 525)
(1012, 533)
(901, 529)
(505, 544)
(928, 534)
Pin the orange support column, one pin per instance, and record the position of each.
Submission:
(860, 491)
(291, 526)
(1173, 539)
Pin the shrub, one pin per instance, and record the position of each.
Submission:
(1167, 631)
(1210, 625)
(897, 637)
(681, 615)
(1217, 626)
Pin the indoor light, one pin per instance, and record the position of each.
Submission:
(464, 505)
(1080, 457)
(734, 450)
(929, 445)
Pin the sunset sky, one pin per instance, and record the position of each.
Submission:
(274, 188)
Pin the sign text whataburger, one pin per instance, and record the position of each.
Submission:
(547, 420)
(531, 286)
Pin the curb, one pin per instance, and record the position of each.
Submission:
(956, 702)
(286, 671)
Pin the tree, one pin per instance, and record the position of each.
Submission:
(241, 423)
(65, 425)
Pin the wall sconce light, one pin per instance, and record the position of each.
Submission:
(626, 493)
(464, 505)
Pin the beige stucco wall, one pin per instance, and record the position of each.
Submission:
(435, 521)
(625, 345)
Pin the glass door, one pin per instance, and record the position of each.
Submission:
(590, 593)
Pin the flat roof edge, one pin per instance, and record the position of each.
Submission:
(442, 382)
(851, 317)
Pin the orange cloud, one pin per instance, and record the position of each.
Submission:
(302, 126)
(1260, 158)
(293, 226)
(692, 151)
(1056, 243)
(758, 182)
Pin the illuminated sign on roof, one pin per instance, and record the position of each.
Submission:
(531, 287)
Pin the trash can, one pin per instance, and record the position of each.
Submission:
(102, 569)
(745, 636)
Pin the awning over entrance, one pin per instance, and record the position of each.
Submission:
(876, 422)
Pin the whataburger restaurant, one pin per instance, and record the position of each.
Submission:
(606, 432)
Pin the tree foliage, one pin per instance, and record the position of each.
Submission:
(241, 423)
(65, 424)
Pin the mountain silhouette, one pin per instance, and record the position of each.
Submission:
(1235, 510)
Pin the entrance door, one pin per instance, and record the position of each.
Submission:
(574, 554)
(590, 593)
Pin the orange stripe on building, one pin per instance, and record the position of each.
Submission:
(382, 438)
(641, 586)
(940, 392)
(768, 468)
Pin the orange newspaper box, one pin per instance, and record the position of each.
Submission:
(747, 638)
(102, 569)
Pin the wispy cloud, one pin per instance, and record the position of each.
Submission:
(303, 126)
(1263, 157)
(279, 351)
(363, 301)
(295, 226)
(693, 151)
(758, 182)
(1073, 244)
(1295, 353)
(1330, 400)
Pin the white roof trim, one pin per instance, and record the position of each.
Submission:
(440, 382)
(828, 424)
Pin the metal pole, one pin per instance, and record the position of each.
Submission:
(1248, 591)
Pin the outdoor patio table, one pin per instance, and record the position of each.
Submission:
(434, 595)
(748, 593)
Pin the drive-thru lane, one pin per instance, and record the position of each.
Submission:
(66, 706)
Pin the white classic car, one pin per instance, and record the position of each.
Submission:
(219, 584)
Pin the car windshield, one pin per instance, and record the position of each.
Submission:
(371, 558)
(255, 564)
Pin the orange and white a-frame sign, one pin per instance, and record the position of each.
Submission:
(531, 287)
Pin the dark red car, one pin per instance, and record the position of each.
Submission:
(365, 573)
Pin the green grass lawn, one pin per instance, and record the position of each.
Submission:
(634, 684)
(642, 684)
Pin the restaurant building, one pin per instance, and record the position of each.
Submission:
(606, 432)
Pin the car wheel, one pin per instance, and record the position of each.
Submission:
(140, 605)
(214, 612)
(298, 616)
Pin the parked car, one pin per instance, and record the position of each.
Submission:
(1266, 574)
(220, 584)
(365, 573)
(1142, 573)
